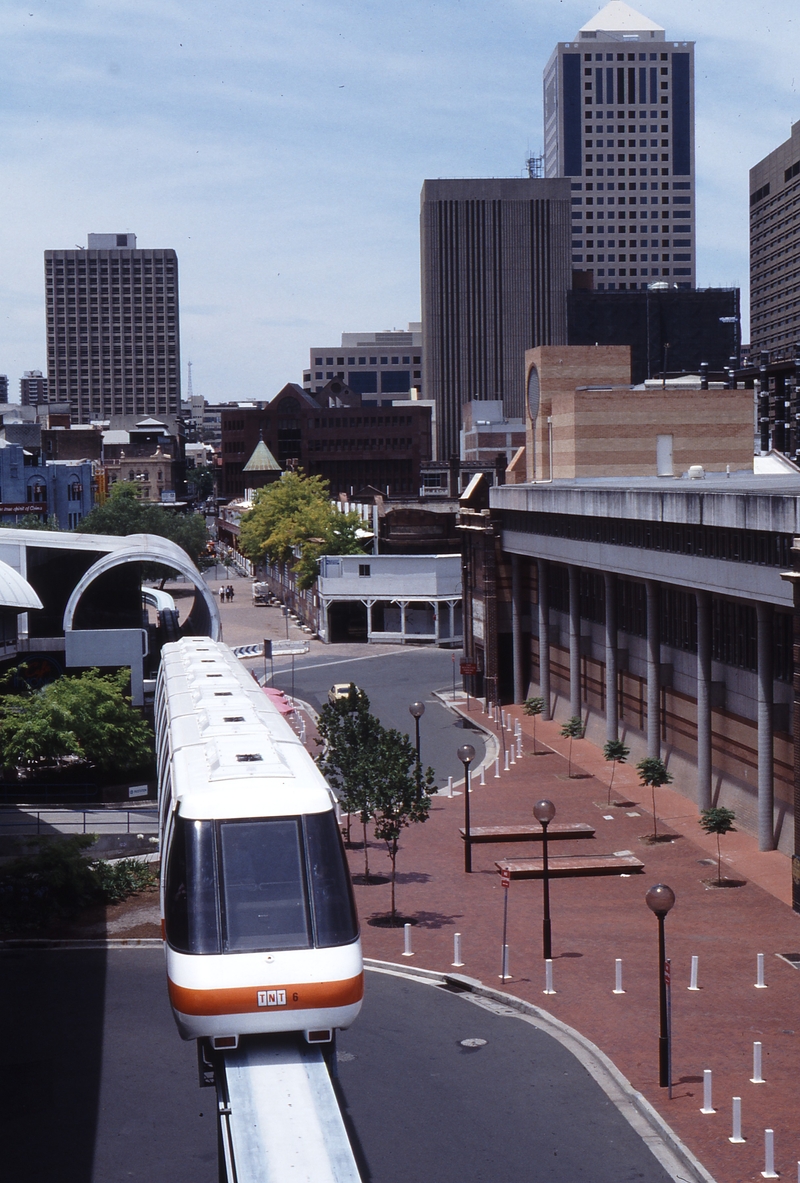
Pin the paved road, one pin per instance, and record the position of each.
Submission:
(97, 1087)
(393, 678)
(519, 1107)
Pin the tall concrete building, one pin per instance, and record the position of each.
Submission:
(33, 389)
(619, 122)
(113, 344)
(775, 249)
(495, 275)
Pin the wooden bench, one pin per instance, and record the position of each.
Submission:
(556, 831)
(571, 866)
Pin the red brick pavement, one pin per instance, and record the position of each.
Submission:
(598, 920)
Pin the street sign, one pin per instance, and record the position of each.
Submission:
(505, 881)
(267, 648)
(468, 668)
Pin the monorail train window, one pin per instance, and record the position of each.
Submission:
(263, 885)
(335, 919)
(191, 915)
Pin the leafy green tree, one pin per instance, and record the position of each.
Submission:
(653, 774)
(294, 519)
(401, 792)
(124, 512)
(32, 521)
(201, 479)
(533, 707)
(349, 734)
(572, 729)
(615, 751)
(718, 820)
(89, 717)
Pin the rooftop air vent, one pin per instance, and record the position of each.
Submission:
(248, 757)
(234, 718)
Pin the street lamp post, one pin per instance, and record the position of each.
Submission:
(544, 812)
(659, 900)
(466, 754)
(417, 710)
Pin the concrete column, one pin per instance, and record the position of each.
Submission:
(544, 637)
(612, 704)
(703, 700)
(766, 831)
(403, 621)
(574, 642)
(653, 670)
(516, 627)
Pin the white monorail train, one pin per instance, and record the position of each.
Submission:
(257, 909)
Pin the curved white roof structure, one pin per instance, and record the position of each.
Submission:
(16, 592)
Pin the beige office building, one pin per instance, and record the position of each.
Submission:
(619, 122)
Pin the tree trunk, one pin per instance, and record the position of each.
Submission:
(393, 857)
(366, 848)
(719, 863)
(655, 823)
(569, 760)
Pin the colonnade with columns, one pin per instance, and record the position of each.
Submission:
(764, 615)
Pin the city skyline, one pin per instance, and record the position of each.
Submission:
(281, 155)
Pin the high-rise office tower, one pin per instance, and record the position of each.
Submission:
(774, 247)
(113, 342)
(495, 275)
(619, 122)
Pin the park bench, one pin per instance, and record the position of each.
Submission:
(556, 831)
(571, 866)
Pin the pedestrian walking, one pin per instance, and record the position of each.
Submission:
(222, 595)
(230, 591)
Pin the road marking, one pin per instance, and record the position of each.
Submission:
(345, 661)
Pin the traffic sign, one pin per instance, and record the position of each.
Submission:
(468, 668)
(505, 881)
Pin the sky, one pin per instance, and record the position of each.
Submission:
(280, 150)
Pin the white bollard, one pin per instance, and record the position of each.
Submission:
(457, 950)
(407, 940)
(506, 971)
(769, 1171)
(757, 1078)
(508, 721)
(506, 769)
(449, 786)
(503, 719)
(618, 977)
(513, 754)
(760, 983)
(483, 706)
(708, 1105)
(693, 982)
(497, 768)
(483, 776)
(737, 1121)
(519, 745)
(548, 977)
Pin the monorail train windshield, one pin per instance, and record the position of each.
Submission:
(258, 884)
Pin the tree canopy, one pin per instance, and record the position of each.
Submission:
(89, 717)
(124, 512)
(294, 518)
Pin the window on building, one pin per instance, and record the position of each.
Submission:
(364, 569)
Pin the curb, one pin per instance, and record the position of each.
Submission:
(674, 1156)
(490, 739)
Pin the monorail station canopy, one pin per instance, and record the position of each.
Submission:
(88, 588)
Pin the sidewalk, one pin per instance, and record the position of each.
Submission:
(598, 920)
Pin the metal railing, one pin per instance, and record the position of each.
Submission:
(74, 821)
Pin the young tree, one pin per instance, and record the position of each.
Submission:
(653, 774)
(533, 707)
(349, 733)
(615, 751)
(572, 729)
(402, 796)
(89, 716)
(294, 519)
(718, 820)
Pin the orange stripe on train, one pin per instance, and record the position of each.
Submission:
(245, 999)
